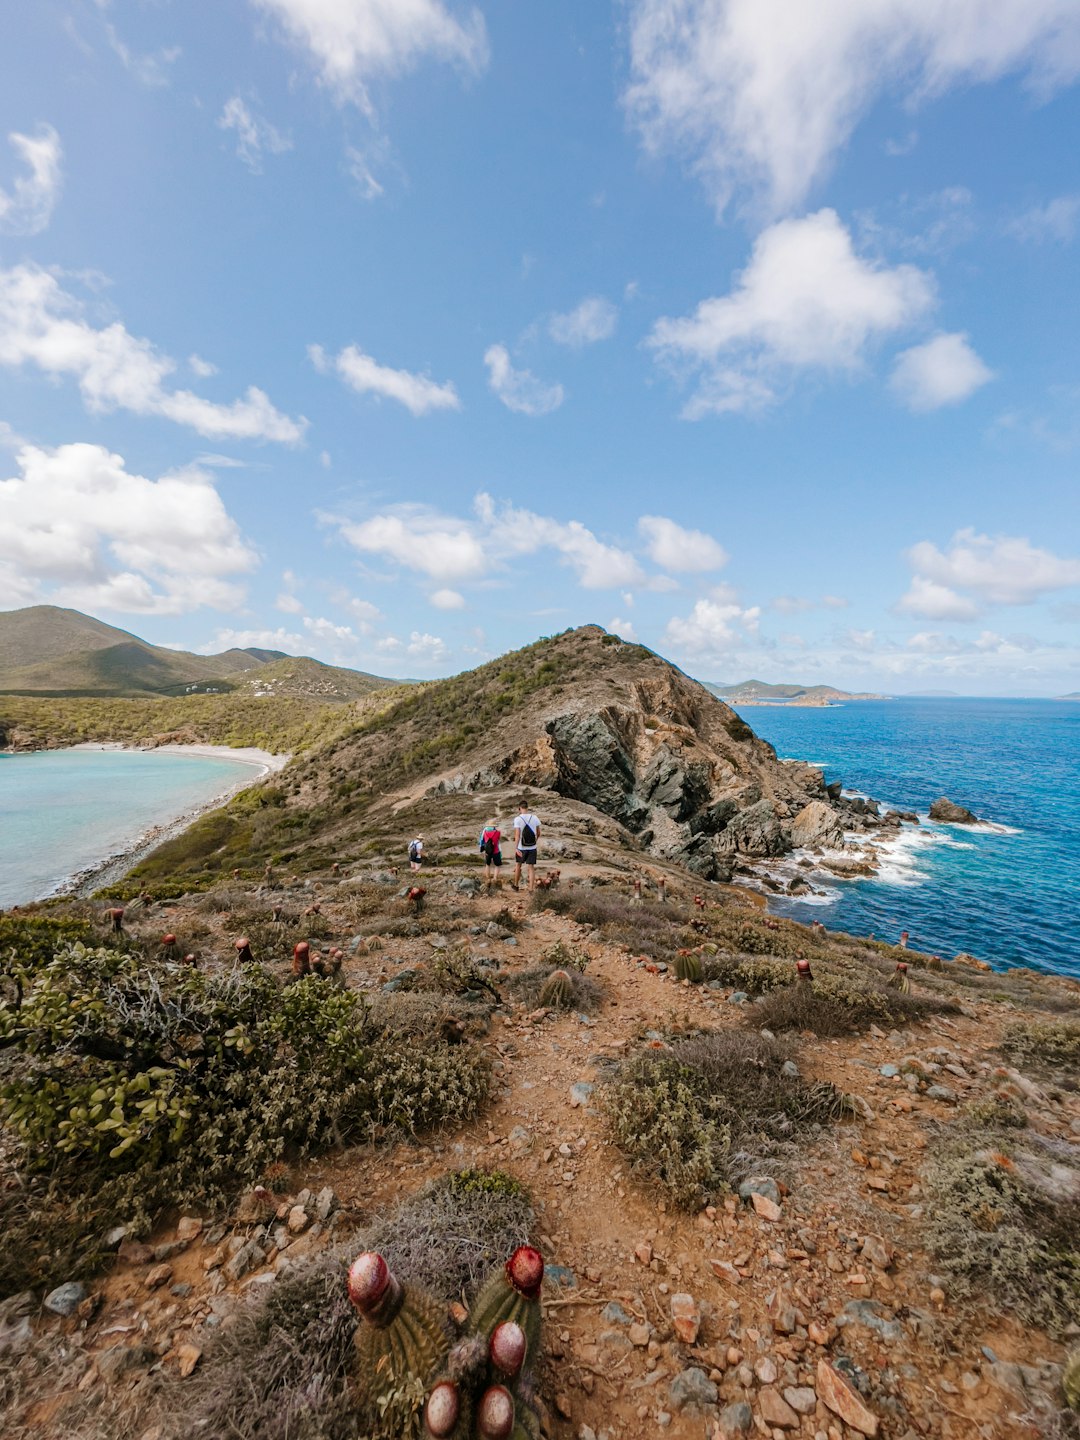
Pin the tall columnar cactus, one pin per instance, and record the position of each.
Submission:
(404, 1338)
(301, 959)
(899, 980)
(512, 1292)
(557, 991)
(688, 966)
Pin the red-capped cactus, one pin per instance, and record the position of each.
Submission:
(170, 950)
(445, 1412)
(495, 1413)
(899, 979)
(116, 916)
(803, 971)
(242, 946)
(404, 1335)
(301, 959)
(507, 1349)
(512, 1292)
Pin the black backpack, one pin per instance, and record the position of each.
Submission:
(528, 837)
(489, 847)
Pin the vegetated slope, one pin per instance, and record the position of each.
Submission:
(46, 632)
(48, 651)
(760, 690)
(581, 716)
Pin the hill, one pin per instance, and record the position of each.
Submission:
(757, 692)
(580, 718)
(45, 650)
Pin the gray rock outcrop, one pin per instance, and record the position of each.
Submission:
(947, 812)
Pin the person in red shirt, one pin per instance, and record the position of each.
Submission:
(490, 841)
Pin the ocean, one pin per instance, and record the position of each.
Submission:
(1007, 890)
(62, 811)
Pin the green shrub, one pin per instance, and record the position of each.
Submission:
(696, 1115)
(1049, 1042)
(835, 1004)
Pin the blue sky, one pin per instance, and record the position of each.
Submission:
(401, 332)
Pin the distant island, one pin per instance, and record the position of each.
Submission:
(1072, 695)
(757, 692)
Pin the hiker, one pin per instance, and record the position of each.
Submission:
(526, 836)
(416, 853)
(490, 839)
(903, 940)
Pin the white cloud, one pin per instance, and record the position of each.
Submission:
(254, 135)
(1054, 222)
(78, 528)
(149, 69)
(520, 390)
(447, 599)
(289, 604)
(863, 640)
(448, 549)
(594, 319)
(203, 368)
(799, 604)
(941, 371)
(366, 376)
(27, 207)
(931, 601)
(353, 41)
(673, 548)
(760, 95)
(230, 639)
(426, 647)
(805, 301)
(999, 570)
(713, 628)
(623, 628)
(435, 545)
(43, 325)
(365, 613)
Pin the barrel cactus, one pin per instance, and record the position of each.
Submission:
(688, 966)
(899, 979)
(557, 991)
(512, 1292)
(403, 1342)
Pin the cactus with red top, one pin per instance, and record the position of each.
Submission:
(899, 980)
(404, 1336)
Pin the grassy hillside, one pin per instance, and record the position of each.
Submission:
(45, 632)
(283, 725)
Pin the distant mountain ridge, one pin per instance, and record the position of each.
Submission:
(751, 692)
(49, 651)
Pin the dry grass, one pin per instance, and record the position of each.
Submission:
(525, 986)
(832, 1005)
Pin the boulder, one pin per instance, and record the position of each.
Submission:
(817, 824)
(946, 812)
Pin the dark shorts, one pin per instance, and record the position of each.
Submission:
(525, 857)
(495, 859)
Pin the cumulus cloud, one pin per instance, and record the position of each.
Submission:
(448, 549)
(998, 570)
(674, 548)
(941, 371)
(594, 319)
(78, 528)
(366, 376)
(806, 301)
(255, 137)
(713, 628)
(41, 324)
(931, 601)
(232, 639)
(520, 390)
(27, 207)
(353, 42)
(758, 96)
(447, 599)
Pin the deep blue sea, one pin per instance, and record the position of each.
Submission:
(1007, 891)
(62, 811)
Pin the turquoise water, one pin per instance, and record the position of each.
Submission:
(64, 810)
(1007, 891)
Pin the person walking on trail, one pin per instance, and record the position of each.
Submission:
(526, 836)
(416, 853)
(490, 842)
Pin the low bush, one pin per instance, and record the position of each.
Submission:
(831, 1005)
(132, 1086)
(1008, 1225)
(1050, 1042)
(743, 972)
(701, 1113)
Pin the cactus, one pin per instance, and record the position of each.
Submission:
(688, 966)
(495, 1414)
(301, 959)
(803, 971)
(243, 951)
(446, 1412)
(899, 980)
(1070, 1381)
(170, 950)
(934, 963)
(405, 1336)
(512, 1292)
(557, 991)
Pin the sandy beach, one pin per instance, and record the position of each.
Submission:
(114, 867)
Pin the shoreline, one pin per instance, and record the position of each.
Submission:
(112, 868)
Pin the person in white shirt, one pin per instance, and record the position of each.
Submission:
(416, 853)
(526, 838)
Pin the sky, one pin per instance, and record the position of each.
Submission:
(403, 332)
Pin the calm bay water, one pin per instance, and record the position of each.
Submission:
(1008, 891)
(64, 810)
